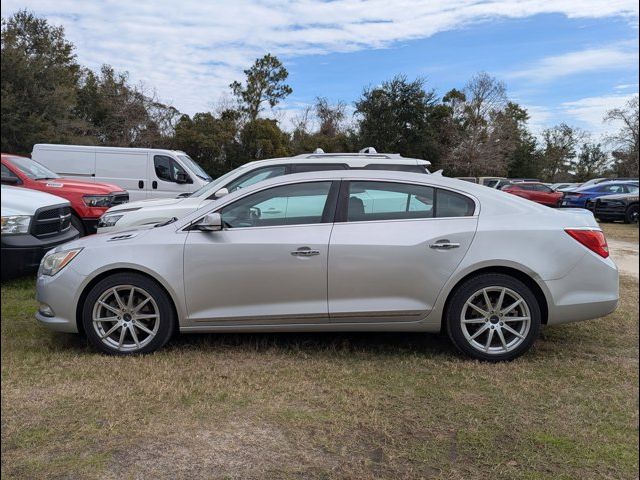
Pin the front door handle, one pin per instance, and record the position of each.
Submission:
(444, 245)
(305, 252)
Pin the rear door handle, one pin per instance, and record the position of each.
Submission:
(444, 245)
(305, 252)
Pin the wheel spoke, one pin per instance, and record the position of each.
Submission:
(478, 309)
(130, 300)
(123, 332)
(480, 330)
(511, 307)
(511, 330)
(116, 295)
(134, 335)
(106, 319)
(109, 307)
(489, 338)
(141, 304)
(487, 301)
(474, 320)
(143, 327)
(501, 299)
(515, 319)
(146, 316)
(501, 336)
(110, 331)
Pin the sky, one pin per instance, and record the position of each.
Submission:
(564, 60)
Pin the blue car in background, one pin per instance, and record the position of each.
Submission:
(583, 197)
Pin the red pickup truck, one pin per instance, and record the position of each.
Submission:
(88, 200)
(536, 192)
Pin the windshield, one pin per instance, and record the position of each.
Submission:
(194, 167)
(215, 184)
(33, 169)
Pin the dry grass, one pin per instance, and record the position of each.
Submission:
(319, 405)
(621, 231)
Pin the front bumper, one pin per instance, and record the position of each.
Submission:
(90, 225)
(61, 293)
(610, 211)
(21, 254)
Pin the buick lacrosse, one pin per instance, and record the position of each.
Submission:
(338, 251)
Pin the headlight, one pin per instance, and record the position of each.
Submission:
(15, 224)
(108, 220)
(97, 200)
(52, 263)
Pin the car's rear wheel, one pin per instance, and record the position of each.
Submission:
(631, 216)
(493, 317)
(127, 313)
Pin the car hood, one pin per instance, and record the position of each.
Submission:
(87, 188)
(159, 203)
(24, 201)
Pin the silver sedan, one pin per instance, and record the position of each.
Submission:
(338, 251)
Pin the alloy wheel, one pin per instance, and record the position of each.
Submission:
(126, 318)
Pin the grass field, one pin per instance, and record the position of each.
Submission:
(321, 405)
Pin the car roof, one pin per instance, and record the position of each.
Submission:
(609, 182)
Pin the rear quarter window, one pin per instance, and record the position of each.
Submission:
(451, 204)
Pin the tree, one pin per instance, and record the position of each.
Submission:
(396, 116)
(558, 151)
(121, 114)
(38, 86)
(262, 138)
(591, 162)
(332, 135)
(264, 83)
(482, 134)
(625, 141)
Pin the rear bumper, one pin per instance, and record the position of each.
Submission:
(589, 290)
(21, 254)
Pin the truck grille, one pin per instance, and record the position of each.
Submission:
(119, 198)
(50, 221)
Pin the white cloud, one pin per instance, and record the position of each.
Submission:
(590, 60)
(191, 50)
(590, 111)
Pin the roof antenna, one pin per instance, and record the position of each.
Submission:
(368, 150)
(318, 151)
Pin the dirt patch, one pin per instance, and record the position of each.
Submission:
(625, 254)
(241, 449)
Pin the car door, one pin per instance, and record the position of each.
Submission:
(393, 247)
(263, 268)
(167, 178)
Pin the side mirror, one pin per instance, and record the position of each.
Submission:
(221, 193)
(182, 177)
(212, 222)
(14, 181)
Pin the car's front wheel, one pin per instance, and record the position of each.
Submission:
(493, 317)
(127, 313)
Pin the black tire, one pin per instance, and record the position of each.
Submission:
(145, 286)
(631, 214)
(77, 224)
(471, 287)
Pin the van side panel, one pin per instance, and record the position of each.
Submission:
(75, 163)
(128, 170)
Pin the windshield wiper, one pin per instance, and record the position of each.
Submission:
(168, 222)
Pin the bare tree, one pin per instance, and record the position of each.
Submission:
(625, 141)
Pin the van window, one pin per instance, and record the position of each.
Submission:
(167, 168)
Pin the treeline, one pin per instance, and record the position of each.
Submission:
(47, 96)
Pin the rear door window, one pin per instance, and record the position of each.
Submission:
(315, 167)
(396, 168)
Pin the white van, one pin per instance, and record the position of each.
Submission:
(143, 172)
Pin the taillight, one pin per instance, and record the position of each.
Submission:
(594, 240)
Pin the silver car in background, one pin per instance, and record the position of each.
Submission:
(338, 251)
